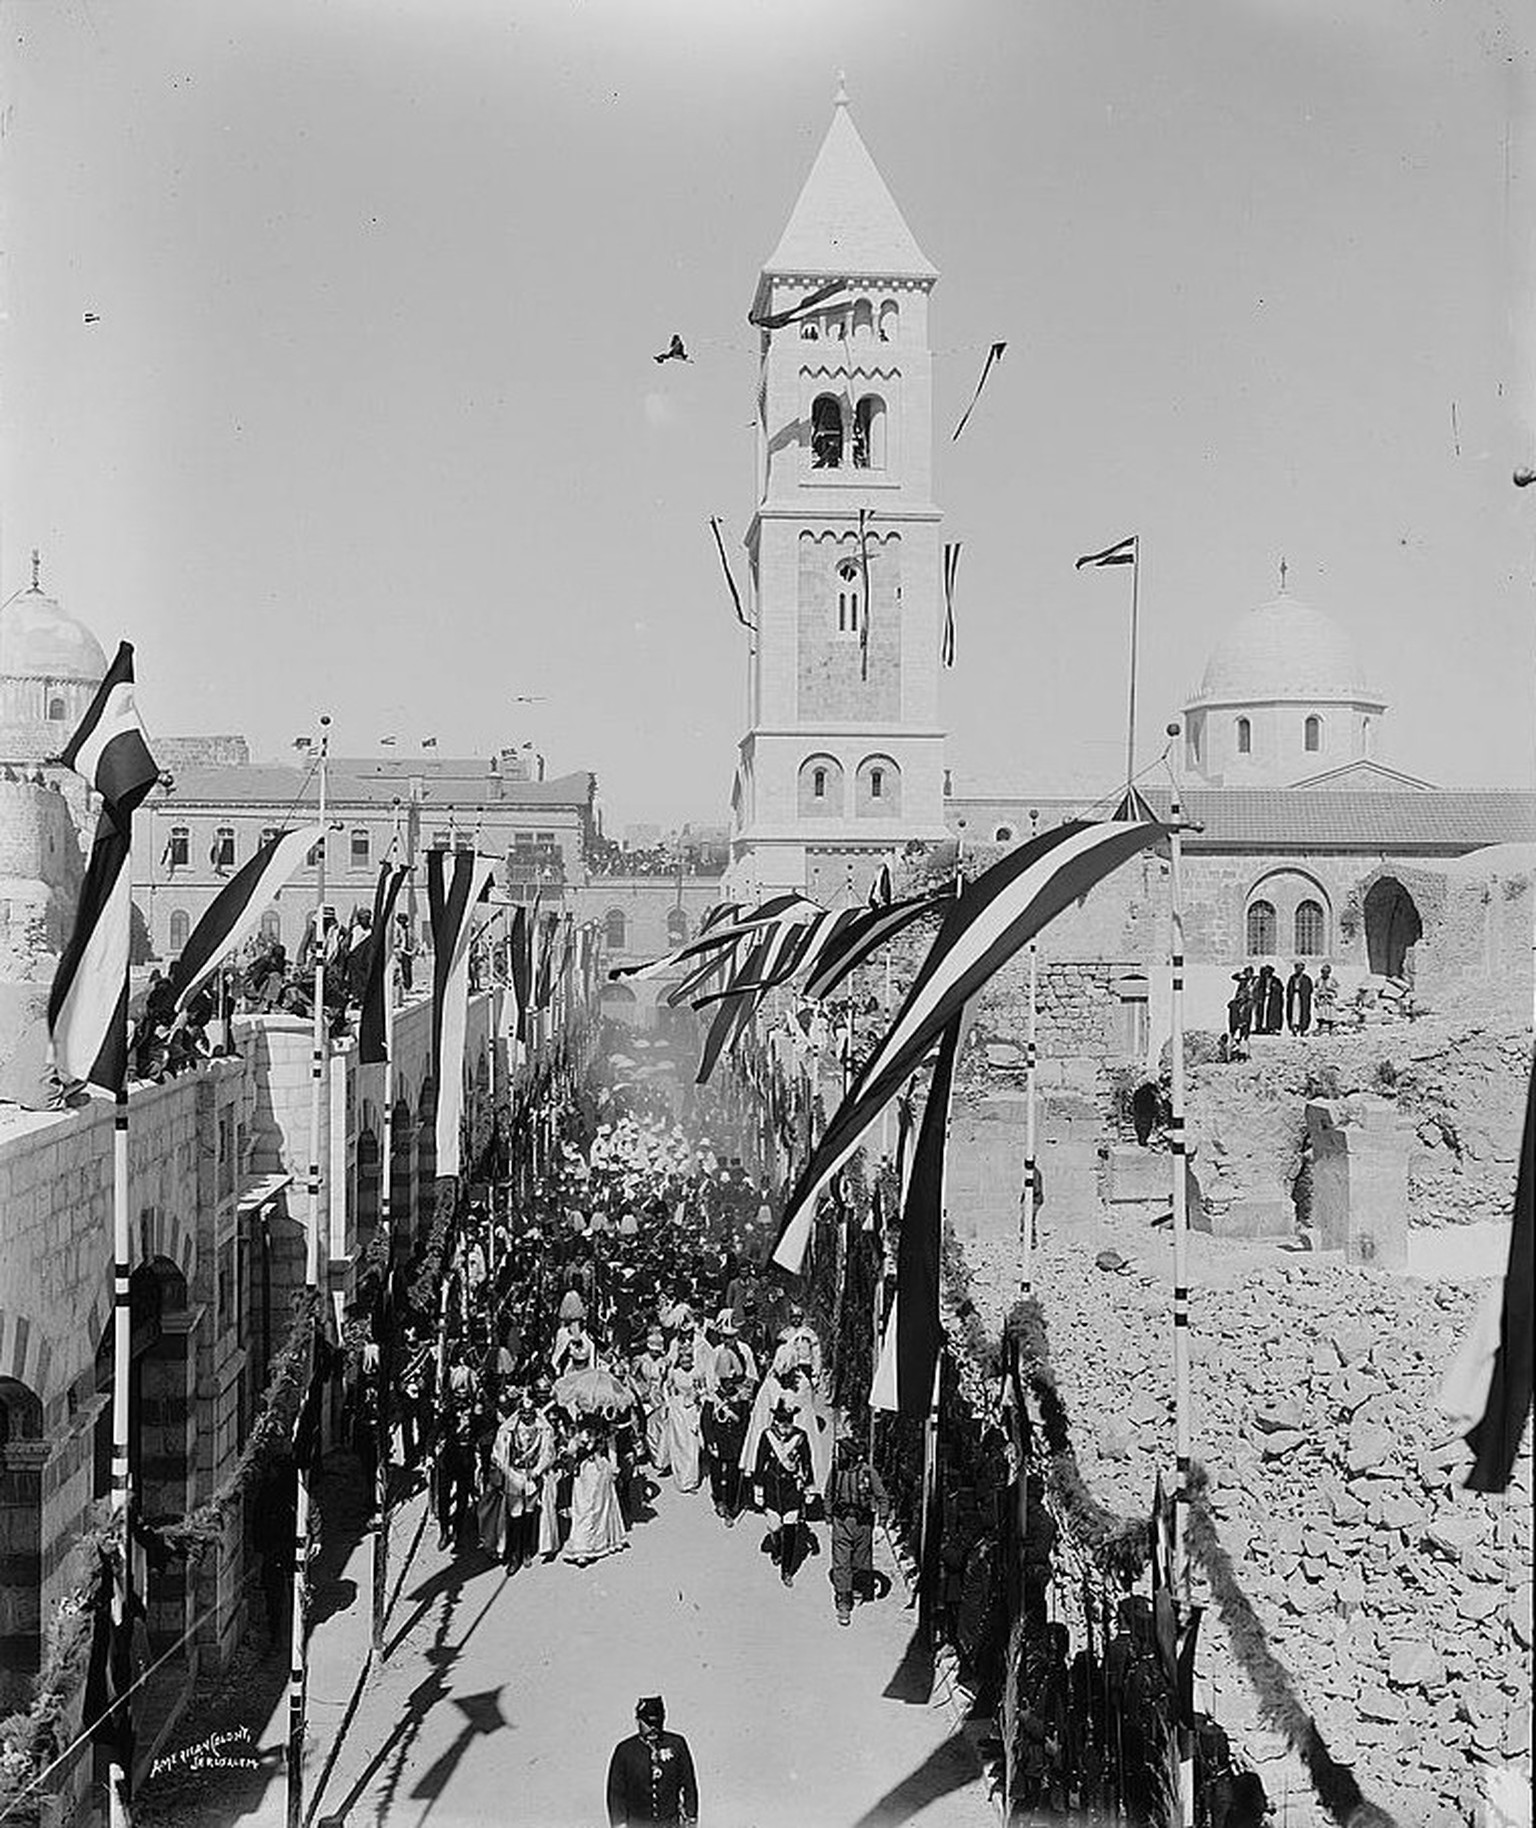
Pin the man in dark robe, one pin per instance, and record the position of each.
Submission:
(1298, 1000)
(650, 1776)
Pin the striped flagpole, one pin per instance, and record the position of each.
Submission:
(386, 1345)
(1031, 1062)
(1180, 1163)
(121, 1778)
(298, 1652)
(1130, 731)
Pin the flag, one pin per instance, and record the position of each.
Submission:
(778, 320)
(235, 912)
(987, 923)
(725, 932)
(994, 356)
(109, 750)
(106, 1707)
(1162, 1537)
(880, 890)
(387, 742)
(951, 566)
(862, 932)
(522, 969)
(914, 1333)
(373, 1027)
(1134, 805)
(88, 1004)
(725, 566)
(736, 1008)
(303, 742)
(1488, 1388)
(1123, 552)
(456, 881)
(429, 742)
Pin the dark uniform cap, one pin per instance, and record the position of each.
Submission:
(651, 1707)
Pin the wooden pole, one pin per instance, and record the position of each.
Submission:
(1180, 1190)
(1130, 732)
(120, 1780)
(386, 1345)
(319, 1047)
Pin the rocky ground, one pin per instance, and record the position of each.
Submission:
(1400, 1604)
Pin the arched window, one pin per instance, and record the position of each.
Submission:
(1310, 940)
(879, 788)
(877, 783)
(821, 788)
(615, 930)
(889, 315)
(271, 925)
(1244, 736)
(1192, 744)
(362, 850)
(808, 332)
(1312, 734)
(677, 926)
(1003, 835)
(179, 848)
(848, 581)
(181, 926)
(869, 433)
(1261, 929)
(1365, 736)
(826, 433)
(223, 857)
(818, 783)
(863, 318)
(837, 327)
(57, 710)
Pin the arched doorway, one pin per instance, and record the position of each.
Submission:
(23, 1453)
(1392, 928)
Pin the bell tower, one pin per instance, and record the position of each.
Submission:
(843, 759)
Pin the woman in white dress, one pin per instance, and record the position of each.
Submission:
(650, 1381)
(684, 1410)
(597, 1522)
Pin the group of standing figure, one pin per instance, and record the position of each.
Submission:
(1262, 1003)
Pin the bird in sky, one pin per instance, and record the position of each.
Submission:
(674, 351)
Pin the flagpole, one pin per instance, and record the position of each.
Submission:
(1180, 1166)
(1031, 1062)
(1130, 733)
(298, 1636)
(381, 1417)
(120, 1780)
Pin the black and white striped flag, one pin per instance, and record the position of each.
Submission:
(914, 1332)
(373, 1024)
(1123, 552)
(996, 914)
(456, 882)
(110, 749)
(88, 1004)
(951, 566)
(863, 932)
(234, 913)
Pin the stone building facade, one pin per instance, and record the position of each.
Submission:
(217, 1160)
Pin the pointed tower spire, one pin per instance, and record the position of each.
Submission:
(37, 570)
(840, 100)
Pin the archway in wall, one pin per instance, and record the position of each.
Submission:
(619, 1003)
(22, 1453)
(1392, 928)
(402, 1183)
(159, 1411)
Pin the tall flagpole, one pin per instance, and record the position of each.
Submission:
(386, 1345)
(1179, 1160)
(1031, 1062)
(298, 1636)
(120, 1780)
(1130, 732)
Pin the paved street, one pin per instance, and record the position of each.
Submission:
(500, 1700)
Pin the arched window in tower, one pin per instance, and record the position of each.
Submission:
(57, 710)
(1192, 743)
(1310, 939)
(1003, 835)
(889, 317)
(879, 788)
(615, 930)
(1365, 736)
(848, 595)
(877, 783)
(1312, 735)
(818, 783)
(821, 788)
(1261, 929)
(869, 433)
(1244, 736)
(826, 433)
(808, 332)
(180, 927)
(863, 318)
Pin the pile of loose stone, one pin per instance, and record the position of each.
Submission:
(1399, 1603)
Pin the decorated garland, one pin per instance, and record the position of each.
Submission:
(1279, 1704)
(1122, 1546)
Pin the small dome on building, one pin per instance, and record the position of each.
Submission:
(1285, 650)
(39, 638)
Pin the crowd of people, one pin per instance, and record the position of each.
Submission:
(622, 1332)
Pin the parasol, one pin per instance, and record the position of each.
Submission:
(592, 1391)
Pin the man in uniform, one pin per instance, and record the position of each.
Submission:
(854, 1495)
(650, 1776)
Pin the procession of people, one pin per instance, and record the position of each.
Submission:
(618, 1329)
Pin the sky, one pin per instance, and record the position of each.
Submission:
(368, 422)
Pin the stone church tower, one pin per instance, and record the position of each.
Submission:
(843, 760)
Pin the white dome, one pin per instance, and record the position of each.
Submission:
(38, 638)
(1286, 650)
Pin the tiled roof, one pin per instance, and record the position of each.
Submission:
(1449, 820)
(353, 782)
(846, 222)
